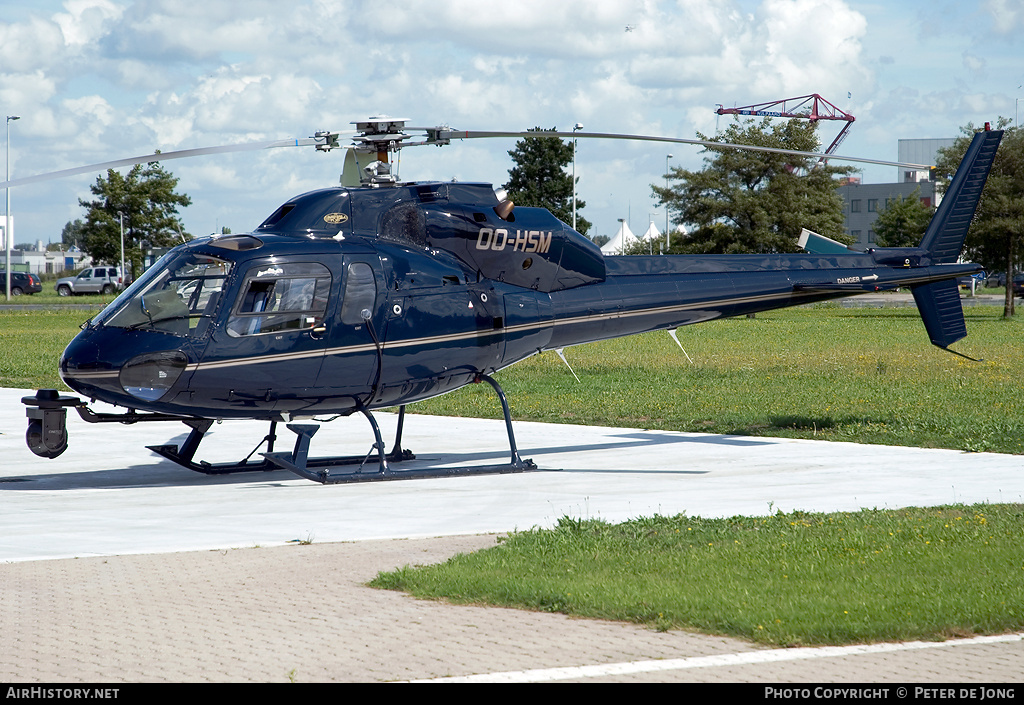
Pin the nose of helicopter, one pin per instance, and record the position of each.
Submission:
(104, 365)
(80, 362)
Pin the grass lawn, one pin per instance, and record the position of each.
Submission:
(789, 579)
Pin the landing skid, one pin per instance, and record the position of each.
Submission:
(374, 465)
(333, 471)
(183, 455)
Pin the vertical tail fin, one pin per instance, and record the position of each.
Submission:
(939, 302)
(945, 235)
(940, 309)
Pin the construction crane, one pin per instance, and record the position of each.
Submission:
(809, 107)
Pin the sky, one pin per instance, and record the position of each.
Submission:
(98, 80)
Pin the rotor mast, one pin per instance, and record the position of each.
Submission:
(380, 135)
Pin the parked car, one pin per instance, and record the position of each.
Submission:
(21, 283)
(999, 280)
(978, 279)
(94, 280)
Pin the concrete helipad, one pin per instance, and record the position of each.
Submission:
(159, 595)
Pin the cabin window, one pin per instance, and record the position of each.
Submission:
(280, 297)
(360, 293)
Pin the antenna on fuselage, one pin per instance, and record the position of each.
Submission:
(561, 354)
(675, 338)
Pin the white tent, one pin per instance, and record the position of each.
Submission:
(651, 239)
(623, 239)
(652, 233)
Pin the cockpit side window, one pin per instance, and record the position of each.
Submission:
(281, 297)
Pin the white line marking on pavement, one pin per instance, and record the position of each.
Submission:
(541, 675)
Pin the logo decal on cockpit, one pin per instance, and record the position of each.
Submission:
(335, 218)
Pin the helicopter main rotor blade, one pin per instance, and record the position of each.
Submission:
(448, 134)
(162, 157)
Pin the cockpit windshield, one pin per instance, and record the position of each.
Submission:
(177, 295)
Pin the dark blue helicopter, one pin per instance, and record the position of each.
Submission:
(352, 299)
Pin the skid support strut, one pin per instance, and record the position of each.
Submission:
(327, 470)
(183, 455)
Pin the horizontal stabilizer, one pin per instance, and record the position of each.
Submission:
(820, 245)
(940, 309)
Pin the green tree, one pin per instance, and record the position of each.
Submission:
(750, 201)
(539, 180)
(149, 204)
(903, 221)
(71, 234)
(996, 237)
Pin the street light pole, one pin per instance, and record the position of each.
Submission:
(575, 127)
(7, 212)
(120, 217)
(667, 157)
(650, 240)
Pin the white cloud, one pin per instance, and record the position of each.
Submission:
(497, 66)
(179, 36)
(91, 108)
(1007, 15)
(86, 20)
(812, 46)
(117, 77)
(972, 63)
(230, 106)
(571, 28)
(28, 47)
(21, 90)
